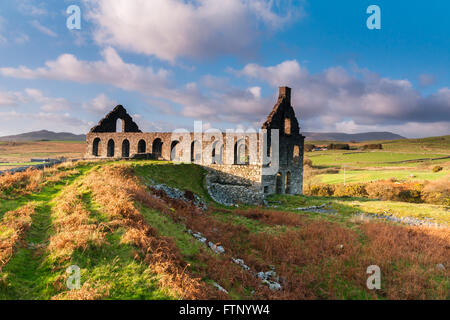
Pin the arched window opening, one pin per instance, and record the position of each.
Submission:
(125, 149)
(241, 153)
(95, 147)
(296, 155)
(196, 155)
(120, 125)
(142, 146)
(217, 153)
(174, 152)
(287, 126)
(157, 148)
(111, 146)
(279, 183)
(288, 183)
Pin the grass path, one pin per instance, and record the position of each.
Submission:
(27, 271)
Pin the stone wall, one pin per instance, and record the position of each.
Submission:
(240, 165)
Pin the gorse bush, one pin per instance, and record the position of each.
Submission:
(434, 192)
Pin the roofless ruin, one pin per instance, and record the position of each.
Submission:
(243, 166)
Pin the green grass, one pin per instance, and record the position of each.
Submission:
(372, 175)
(437, 213)
(20, 164)
(181, 176)
(346, 207)
(364, 159)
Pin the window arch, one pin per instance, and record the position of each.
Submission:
(287, 126)
(296, 155)
(174, 154)
(142, 146)
(125, 148)
(241, 152)
(95, 147)
(157, 147)
(196, 154)
(217, 153)
(120, 125)
(279, 183)
(288, 183)
(111, 146)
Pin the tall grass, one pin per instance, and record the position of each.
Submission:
(12, 229)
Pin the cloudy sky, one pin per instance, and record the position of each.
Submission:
(170, 62)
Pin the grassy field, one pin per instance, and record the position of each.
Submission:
(403, 160)
(133, 242)
(21, 152)
(130, 244)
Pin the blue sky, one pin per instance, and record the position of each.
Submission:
(170, 62)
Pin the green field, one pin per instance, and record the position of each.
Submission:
(403, 160)
(116, 263)
(372, 175)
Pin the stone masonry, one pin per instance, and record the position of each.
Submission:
(242, 166)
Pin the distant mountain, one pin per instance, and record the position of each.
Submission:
(334, 136)
(44, 135)
(347, 137)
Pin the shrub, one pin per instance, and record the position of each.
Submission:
(350, 190)
(374, 146)
(437, 192)
(338, 146)
(322, 190)
(309, 147)
(437, 169)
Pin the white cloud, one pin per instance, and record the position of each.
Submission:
(336, 94)
(170, 29)
(47, 104)
(100, 104)
(111, 70)
(31, 8)
(14, 99)
(43, 29)
(286, 73)
(10, 99)
(31, 121)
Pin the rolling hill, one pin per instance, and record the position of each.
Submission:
(334, 136)
(44, 135)
(347, 137)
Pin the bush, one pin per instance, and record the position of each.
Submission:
(434, 192)
(437, 192)
(350, 190)
(322, 190)
(309, 147)
(338, 146)
(437, 169)
(374, 146)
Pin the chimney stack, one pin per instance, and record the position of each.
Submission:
(285, 92)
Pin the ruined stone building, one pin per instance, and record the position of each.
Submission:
(243, 166)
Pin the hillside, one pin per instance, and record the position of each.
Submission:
(347, 137)
(45, 135)
(331, 136)
(134, 238)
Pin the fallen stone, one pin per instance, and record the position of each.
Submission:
(219, 287)
(215, 248)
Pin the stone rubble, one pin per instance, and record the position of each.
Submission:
(385, 216)
(197, 235)
(219, 287)
(177, 194)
